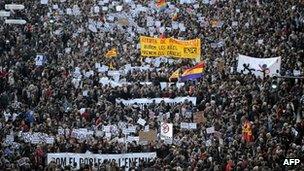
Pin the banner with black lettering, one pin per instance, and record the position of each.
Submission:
(145, 101)
(65, 159)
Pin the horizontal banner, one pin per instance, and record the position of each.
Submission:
(144, 101)
(259, 66)
(65, 159)
(170, 47)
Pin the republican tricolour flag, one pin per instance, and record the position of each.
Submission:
(247, 132)
(194, 72)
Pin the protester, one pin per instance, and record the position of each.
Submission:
(55, 77)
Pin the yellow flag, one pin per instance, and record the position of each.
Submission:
(111, 66)
(111, 53)
(175, 75)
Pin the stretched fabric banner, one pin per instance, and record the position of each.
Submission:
(144, 101)
(259, 66)
(65, 159)
(170, 47)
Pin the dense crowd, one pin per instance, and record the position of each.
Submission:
(73, 36)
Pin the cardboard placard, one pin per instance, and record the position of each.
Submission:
(199, 117)
(149, 136)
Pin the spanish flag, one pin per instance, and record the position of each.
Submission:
(194, 72)
(161, 3)
(175, 75)
(247, 132)
(111, 53)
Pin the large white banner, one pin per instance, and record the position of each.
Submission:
(257, 66)
(166, 132)
(144, 101)
(65, 159)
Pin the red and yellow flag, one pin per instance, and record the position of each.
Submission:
(175, 75)
(247, 132)
(161, 3)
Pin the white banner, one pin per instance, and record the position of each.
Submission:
(65, 159)
(166, 132)
(5, 13)
(248, 64)
(37, 137)
(14, 6)
(185, 125)
(144, 101)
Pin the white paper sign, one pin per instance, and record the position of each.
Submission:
(39, 60)
(166, 132)
(141, 121)
(44, 2)
(210, 130)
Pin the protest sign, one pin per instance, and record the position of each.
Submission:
(132, 139)
(65, 159)
(170, 47)
(81, 133)
(37, 137)
(259, 66)
(44, 2)
(144, 101)
(148, 136)
(15, 21)
(39, 60)
(4, 13)
(185, 125)
(166, 132)
(199, 117)
(141, 122)
(14, 6)
(210, 130)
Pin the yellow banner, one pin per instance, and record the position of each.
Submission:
(170, 47)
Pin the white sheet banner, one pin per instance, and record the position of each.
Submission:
(257, 66)
(65, 159)
(144, 101)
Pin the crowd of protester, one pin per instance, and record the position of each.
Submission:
(47, 97)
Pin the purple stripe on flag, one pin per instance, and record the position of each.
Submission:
(191, 77)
